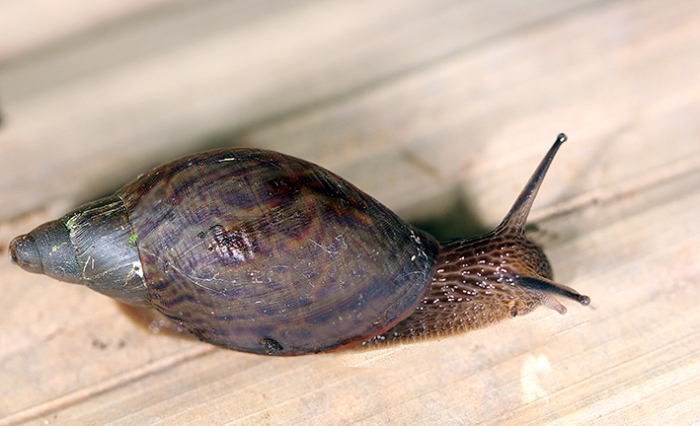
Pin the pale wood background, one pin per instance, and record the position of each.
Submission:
(440, 109)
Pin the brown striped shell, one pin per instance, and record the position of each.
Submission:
(246, 246)
(257, 251)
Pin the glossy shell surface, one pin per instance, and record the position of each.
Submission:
(261, 252)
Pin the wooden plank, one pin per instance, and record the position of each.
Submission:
(29, 26)
(454, 129)
(87, 116)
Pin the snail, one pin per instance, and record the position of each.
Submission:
(257, 251)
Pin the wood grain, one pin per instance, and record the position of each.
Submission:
(439, 109)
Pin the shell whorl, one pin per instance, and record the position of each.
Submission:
(261, 252)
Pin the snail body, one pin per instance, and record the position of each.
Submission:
(260, 252)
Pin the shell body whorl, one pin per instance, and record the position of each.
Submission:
(261, 252)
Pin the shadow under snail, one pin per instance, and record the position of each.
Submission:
(260, 252)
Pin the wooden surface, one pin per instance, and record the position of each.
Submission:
(441, 110)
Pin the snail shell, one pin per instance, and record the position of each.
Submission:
(261, 252)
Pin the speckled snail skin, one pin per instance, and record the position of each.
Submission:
(260, 252)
